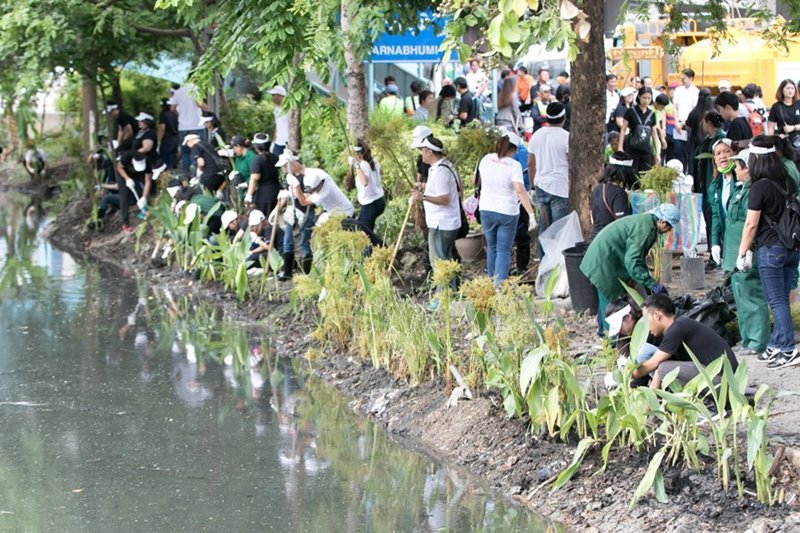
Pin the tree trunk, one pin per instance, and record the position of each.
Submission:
(354, 73)
(587, 134)
(294, 131)
(89, 111)
(116, 88)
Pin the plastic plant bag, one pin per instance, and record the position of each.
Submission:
(562, 234)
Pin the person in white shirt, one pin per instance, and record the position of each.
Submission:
(684, 100)
(296, 215)
(190, 112)
(502, 189)
(441, 201)
(612, 95)
(548, 166)
(477, 81)
(368, 184)
(281, 137)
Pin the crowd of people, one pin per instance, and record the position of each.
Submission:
(745, 180)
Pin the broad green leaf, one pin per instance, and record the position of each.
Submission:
(530, 368)
(649, 477)
(633, 293)
(580, 452)
(658, 487)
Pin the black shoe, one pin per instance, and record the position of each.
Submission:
(288, 268)
(711, 265)
(783, 359)
(768, 355)
(306, 263)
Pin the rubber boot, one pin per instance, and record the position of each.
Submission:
(306, 264)
(288, 268)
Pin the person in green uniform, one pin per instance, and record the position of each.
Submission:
(719, 193)
(752, 311)
(243, 156)
(618, 253)
(704, 175)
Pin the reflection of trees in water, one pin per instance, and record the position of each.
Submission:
(19, 225)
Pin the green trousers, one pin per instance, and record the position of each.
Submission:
(751, 309)
(602, 325)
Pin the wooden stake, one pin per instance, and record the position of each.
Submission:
(400, 237)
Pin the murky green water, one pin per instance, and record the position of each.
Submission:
(123, 408)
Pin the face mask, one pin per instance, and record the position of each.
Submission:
(727, 169)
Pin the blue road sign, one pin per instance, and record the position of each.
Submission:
(422, 47)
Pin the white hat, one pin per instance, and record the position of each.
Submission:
(111, 107)
(676, 165)
(313, 179)
(190, 137)
(614, 320)
(627, 91)
(425, 143)
(143, 116)
(139, 165)
(228, 217)
(256, 217)
(420, 132)
(743, 156)
(724, 83)
(512, 137)
(260, 138)
(286, 157)
(204, 119)
(280, 91)
(173, 191)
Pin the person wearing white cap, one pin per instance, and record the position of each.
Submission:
(618, 253)
(609, 198)
(296, 215)
(126, 124)
(368, 184)
(548, 167)
(208, 170)
(724, 85)
(770, 191)
(189, 111)
(260, 232)
(281, 134)
(134, 179)
(752, 312)
(230, 224)
(214, 132)
(624, 102)
(146, 139)
(441, 199)
(500, 187)
(264, 183)
(168, 139)
(419, 133)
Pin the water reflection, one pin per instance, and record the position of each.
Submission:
(127, 407)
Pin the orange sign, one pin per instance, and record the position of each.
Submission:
(636, 53)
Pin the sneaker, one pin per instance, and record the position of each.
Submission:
(126, 228)
(750, 352)
(785, 359)
(768, 355)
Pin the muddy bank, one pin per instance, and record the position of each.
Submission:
(475, 435)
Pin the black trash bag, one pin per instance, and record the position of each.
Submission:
(716, 309)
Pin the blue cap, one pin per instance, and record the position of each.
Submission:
(668, 213)
(392, 88)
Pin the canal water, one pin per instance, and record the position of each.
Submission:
(128, 408)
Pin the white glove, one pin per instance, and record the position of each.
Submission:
(114, 144)
(745, 262)
(716, 254)
(193, 182)
(142, 203)
(288, 216)
(609, 381)
(272, 217)
(532, 224)
(130, 184)
(98, 187)
(351, 160)
(224, 152)
(220, 194)
(248, 198)
(242, 185)
(284, 195)
(232, 175)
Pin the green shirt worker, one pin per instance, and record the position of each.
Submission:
(729, 195)
(618, 253)
(243, 157)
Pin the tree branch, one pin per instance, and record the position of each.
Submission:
(180, 32)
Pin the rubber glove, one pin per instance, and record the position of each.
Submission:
(351, 160)
(242, 185)
(716, 254)
(232, 175)
(248, 198)
(142, 203)
(220, 195)
(659, 289)
(193, 182)
(129, 183)
(532, 224)
(745, 262)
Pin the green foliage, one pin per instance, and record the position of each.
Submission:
(325, 138)
(141, 92)
(246, 116)
(660, 180)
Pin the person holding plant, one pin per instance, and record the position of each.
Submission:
(681, 337)
(609, 198)
(719, 194)
(777, 264)
(368, 184)
(638, 131)
(499, 178)
(617, 255)
(441, 200)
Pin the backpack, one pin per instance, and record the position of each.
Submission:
(788, 226)
(755, 120)
(642, 133)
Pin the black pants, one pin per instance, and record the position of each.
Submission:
(266, 198)
(351, 224)
(370, 213)
(522, 240)
(127, 197)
